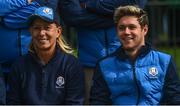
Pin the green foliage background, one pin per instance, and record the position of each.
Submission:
(175, 52)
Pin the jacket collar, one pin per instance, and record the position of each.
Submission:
(143, 51)
(57, 53)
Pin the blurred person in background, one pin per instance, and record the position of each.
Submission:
(15, 37)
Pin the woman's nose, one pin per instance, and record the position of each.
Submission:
(42, 32)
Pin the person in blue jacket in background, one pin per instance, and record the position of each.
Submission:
(135, 74)
(49, 73)
(15, 37)
(96, 33)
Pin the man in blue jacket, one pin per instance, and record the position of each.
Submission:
(97, 37)
(14, 35)
(135, 74)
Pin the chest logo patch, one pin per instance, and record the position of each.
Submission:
(153, 71)
(60, 82)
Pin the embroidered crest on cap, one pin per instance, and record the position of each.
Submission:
(60, 82)
(47, 11)
(153, 71)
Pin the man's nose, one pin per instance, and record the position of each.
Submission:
(127, 30)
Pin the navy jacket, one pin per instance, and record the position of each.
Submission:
(74, 15)
(108, 6)
(61, 81)
(151, 79)
(85, 17)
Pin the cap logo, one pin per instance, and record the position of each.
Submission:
(47, 11)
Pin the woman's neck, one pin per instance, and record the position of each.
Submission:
(45, 55)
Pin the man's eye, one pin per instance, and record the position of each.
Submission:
(132, 27)
(122, 28)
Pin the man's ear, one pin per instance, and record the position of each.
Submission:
(145, 29)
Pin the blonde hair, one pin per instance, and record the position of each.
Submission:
(63, 45)
(130, 10)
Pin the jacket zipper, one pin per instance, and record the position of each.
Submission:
(136, 82)
(43, 82)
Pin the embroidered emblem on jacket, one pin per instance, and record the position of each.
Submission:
(60, 82)
(153, 72)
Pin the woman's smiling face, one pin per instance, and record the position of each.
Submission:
(44, 34)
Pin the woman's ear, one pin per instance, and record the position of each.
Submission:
(59, 31)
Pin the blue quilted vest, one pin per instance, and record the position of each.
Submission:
(140, 82)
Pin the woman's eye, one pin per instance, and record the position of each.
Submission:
(48, 28)
(36, 27)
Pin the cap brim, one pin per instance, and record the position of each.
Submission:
(34, 16)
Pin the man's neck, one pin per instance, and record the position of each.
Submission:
(132, 54)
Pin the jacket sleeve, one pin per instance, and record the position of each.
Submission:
(99, 94)
(75, 88)
(18, 19)
(171, 88)
(14, 89)
(108, 6)
(7, 6)
(74, 15)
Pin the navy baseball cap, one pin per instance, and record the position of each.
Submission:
(45, 13)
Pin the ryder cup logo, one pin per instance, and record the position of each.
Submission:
(153, 72)
(60, 82)
(47, 11)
